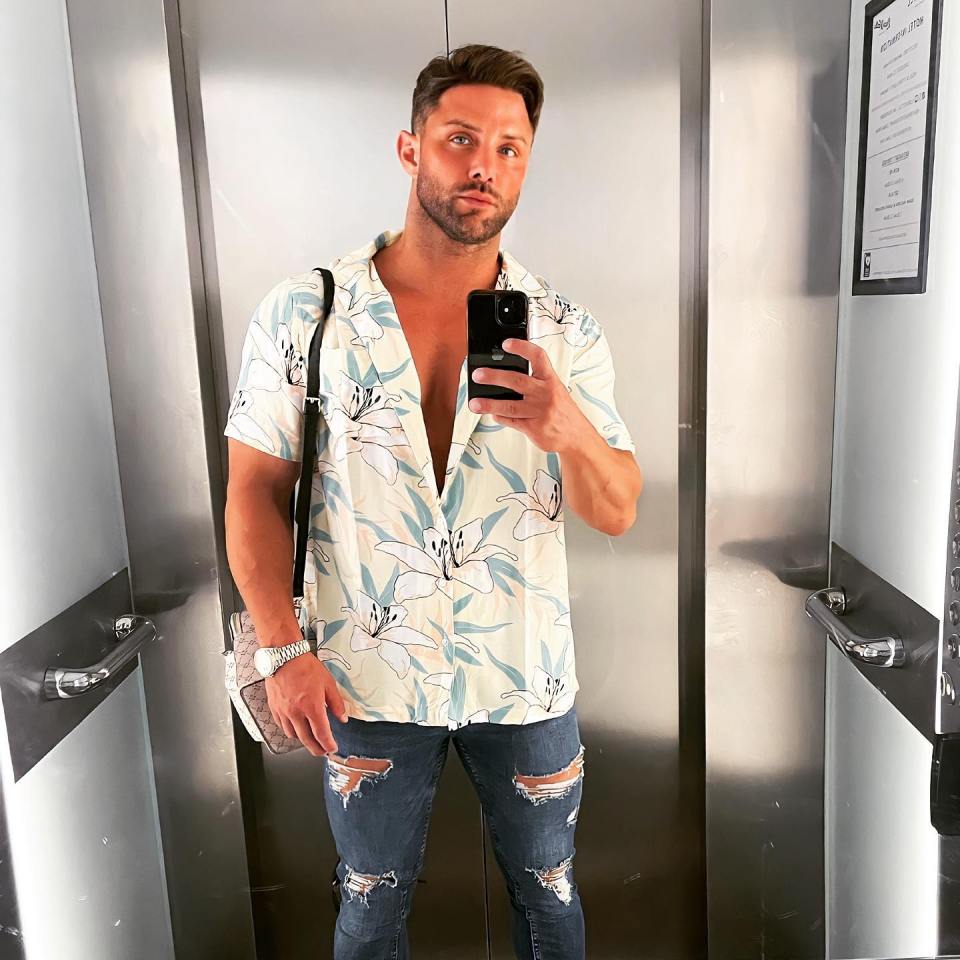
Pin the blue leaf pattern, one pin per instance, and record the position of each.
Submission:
(405, 582)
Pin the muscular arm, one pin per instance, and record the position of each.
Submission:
(259, 539)
(601, 484)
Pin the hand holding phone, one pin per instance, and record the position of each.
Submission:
(492, 317)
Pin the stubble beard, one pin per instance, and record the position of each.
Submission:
(468, 228)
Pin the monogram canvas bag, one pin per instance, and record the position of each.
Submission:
(246, 687)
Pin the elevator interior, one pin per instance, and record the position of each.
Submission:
(749, 791)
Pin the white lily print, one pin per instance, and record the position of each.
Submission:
(364, 421)
(279, 360)
(439, 562)
(550, 696)
(543, 507)
(380, 628)
(556, 314)
(275, 367)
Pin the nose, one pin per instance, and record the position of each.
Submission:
(482, 163)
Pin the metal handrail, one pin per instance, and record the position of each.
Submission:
(827, 607)
(132, 632)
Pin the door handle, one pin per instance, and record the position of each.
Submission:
(132, 632)
(827, 607)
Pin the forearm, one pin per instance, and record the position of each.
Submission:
(260, 555)
(600, 483)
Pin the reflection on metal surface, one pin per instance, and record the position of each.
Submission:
(827, 607)
(131, 633)
(774, 250)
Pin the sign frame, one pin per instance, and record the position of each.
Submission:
(918, 283)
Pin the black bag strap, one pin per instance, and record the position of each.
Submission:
(311, 414)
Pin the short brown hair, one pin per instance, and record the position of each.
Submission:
(476, 63)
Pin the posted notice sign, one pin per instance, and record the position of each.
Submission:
(897, 119)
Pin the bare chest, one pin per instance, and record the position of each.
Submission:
(438, 344)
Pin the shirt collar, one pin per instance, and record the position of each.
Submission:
(513, 275)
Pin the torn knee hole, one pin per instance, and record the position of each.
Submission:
(360, 885)
(347, 774)
(537, 789)
(556, 879)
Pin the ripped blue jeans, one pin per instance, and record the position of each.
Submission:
(379, 790)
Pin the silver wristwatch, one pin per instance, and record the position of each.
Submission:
(268, 660)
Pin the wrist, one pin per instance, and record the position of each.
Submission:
(289, 631)
(578, 435)
(269, 660)
(281, 639)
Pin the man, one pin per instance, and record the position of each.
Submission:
(436, 582)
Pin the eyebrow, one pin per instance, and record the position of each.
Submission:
(469, 126)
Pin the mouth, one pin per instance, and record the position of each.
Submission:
(475, 199)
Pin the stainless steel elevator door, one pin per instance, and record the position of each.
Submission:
(301, 104)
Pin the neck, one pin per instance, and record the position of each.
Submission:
(425, 261)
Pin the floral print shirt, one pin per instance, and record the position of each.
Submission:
(438, 610)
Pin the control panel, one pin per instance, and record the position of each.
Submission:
(948, 689)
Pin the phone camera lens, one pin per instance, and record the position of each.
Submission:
(511, 310)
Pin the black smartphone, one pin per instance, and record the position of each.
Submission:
(492, 317)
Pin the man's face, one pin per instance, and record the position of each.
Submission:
(476, 141)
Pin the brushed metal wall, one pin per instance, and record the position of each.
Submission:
(294, 115)
(777, 92)
(140, 197)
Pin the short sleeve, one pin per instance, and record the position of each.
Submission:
(266, 410)
(591, 385)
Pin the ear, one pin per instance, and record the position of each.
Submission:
(408, 150)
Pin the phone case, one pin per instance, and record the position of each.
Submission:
(485, 336)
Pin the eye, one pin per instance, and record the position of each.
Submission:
(460, 135)
(514, 149)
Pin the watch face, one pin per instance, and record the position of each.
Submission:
(263, 661)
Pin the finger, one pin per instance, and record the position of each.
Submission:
(518, 409)
(540, 365)
(306, 737)
(336, 705)
(512, 379)
(320, 727)
(281, 721)
(515, 422)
